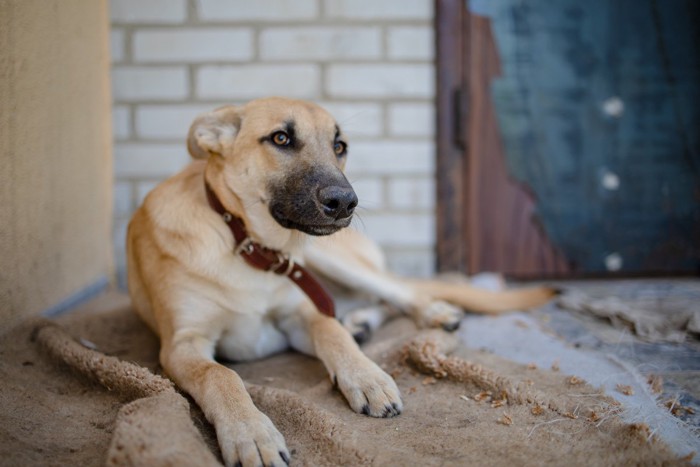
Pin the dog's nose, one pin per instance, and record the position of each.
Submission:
(338, 202)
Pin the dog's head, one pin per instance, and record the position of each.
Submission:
(283, 155)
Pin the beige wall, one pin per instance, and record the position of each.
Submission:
(55, 154)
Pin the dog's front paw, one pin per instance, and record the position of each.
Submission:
(439, 314)
(253, 441)
(369, 390)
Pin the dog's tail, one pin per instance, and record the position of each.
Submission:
(484, 301)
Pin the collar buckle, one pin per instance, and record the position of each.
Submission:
(281, 259)
(246, 246)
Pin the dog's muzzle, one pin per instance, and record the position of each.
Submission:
(316, 202)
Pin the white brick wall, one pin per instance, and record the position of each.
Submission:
(251, 81)
(147, 11)
(321, 43)
(412, 119)
(121, 122)
(166, 122)
(388, 10)
(257, 10)
(193, 45)
(411, 193)
(357, 119)
(145, 160)
(131, 84)
(116, 40)
(380, 81)
(411, 43)
(390, 158)
(370, 63)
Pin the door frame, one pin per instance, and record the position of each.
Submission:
(451, 26)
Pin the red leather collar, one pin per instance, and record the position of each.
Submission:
(275, 261)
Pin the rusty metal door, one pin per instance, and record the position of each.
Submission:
(569, 137)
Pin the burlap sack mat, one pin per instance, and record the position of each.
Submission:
(62, 403)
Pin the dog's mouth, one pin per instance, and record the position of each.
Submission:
(311, 228)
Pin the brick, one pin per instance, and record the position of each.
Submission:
(357, 120)
(167, 121)
(412, 193)
(409, 119)
(320, 43)
(122, 203)
(148, 161)
(192, 45)
(411, 43)
(121, 122)
(398, 230)
(117, 43)
(381, 81)
(252, 81)
(258, 10)
(391, 158)
(148, 11)
(369, 191)
(384, 9)
(141, 83)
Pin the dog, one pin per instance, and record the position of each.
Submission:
(267, 185)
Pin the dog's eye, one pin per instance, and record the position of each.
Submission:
(281, 139)
(339, 148)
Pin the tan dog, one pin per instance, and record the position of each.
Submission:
(277, 165)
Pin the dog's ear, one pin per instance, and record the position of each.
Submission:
(213, 132)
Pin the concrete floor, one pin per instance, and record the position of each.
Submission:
(677, 363)
(577, 343)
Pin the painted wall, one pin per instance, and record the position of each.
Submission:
(55, 153)
(370, 63)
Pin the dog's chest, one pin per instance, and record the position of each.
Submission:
(253, 301)
(249, 338)
(250, 329)
(251, 291)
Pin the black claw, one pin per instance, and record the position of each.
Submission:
(360, 337)
(363, 336)
(386, 412)
(450, 327)
(365, 409)
(238, 464)
(391, 410)
(284, 457)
